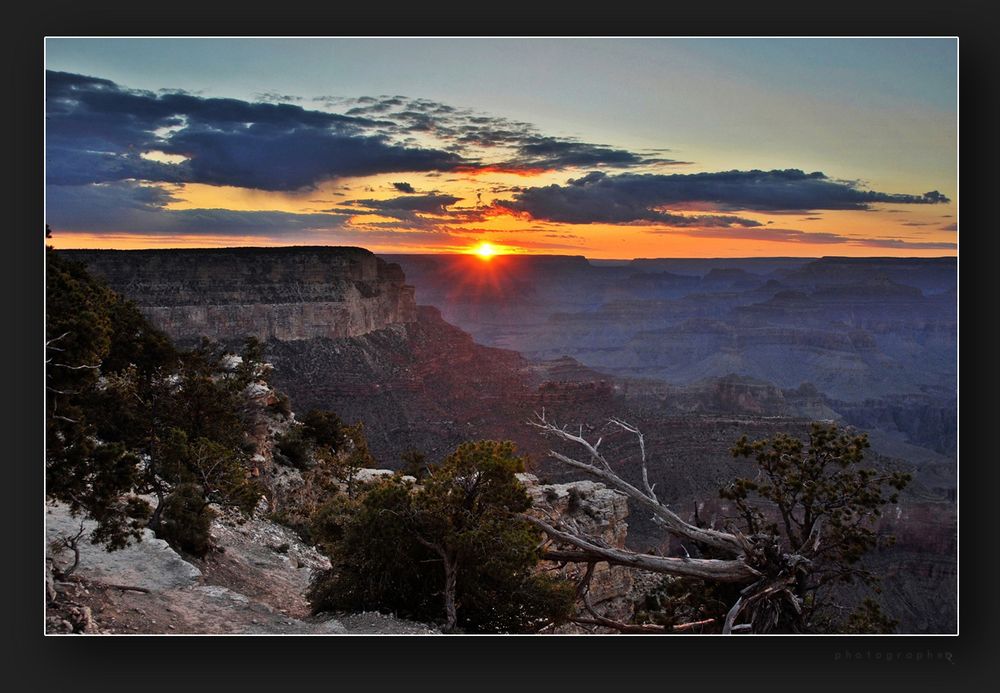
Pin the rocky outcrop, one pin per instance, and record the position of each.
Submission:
(255, 578)
(253, 581)
(593, 510)
(149, 564)
(270, 293)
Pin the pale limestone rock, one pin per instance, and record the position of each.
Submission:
(150, 563)
(592, 510)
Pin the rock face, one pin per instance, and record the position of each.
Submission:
(254, 581)
(269, 293)
(597, 512)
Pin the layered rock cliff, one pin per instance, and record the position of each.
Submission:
(288, 294)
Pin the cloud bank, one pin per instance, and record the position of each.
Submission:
(634, 197)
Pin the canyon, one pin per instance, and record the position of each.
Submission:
(694, 352)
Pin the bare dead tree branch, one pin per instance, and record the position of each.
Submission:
(757, 560)
(73, 544)
(720, 540)
(716, 570)
(76, 368)
(642, 453)
(597, 619)
(123, 588)
(50, 342)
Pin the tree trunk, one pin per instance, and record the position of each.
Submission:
(156, 517)
(64, 574)
(450, 582)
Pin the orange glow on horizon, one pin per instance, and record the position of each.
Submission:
(613, 248)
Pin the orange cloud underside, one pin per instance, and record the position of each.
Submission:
(509, 170)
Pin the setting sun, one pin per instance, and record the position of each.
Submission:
(485, 250)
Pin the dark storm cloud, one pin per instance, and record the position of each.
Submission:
(97, 132)
(276, 158)
(587, 201)
(68, 165)
(629, 197)
(404, 188)
(97, 129)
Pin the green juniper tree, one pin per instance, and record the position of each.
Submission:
(89, 331)
(415, 464)
(818, 492)
(119, 396)
(455, 546)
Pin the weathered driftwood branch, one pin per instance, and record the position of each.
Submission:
(669, 519)
(717, 570)
(123, 588)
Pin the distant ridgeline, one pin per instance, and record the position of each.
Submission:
(288, 294)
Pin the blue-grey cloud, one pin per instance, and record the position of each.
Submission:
(270, 158)
(554, 153)
(428, 204)
(404, 187)
(630, 197)
(813, 237)
(97, 130)
(526, 147)
(141, 209)
(432, 211)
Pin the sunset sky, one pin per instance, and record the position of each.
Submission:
(609, 148)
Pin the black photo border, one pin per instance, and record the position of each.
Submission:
(508, 662)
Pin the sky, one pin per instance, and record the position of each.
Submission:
(603, 147)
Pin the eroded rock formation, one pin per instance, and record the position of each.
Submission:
(596, 511)
(269, 293)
